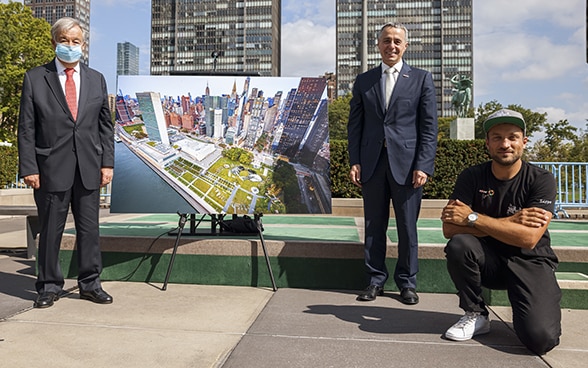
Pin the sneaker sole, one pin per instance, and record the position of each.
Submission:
(459, 338)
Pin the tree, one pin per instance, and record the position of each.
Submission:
(561, 144)
(444, 126)
(25, 42)
(579, 151)
(338, 117)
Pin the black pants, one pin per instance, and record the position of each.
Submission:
(532, 288)
(53, 210)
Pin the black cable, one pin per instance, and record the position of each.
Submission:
(132, 273)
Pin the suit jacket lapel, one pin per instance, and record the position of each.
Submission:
(84, 85)
(52, 79)
(402, 80)
(375, 92)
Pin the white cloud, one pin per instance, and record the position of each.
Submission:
(308, 49)
(532, 53)
(495, 15)
(316, 11)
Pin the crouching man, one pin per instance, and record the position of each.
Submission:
(496, 222)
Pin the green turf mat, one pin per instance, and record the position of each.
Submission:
(132, 229)
(568, 239)
(568, 225)
(161, 217)
(324, 234)
(571, 276)
(308, 220)
(266, 219)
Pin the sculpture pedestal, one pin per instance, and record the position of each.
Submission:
(462, 129)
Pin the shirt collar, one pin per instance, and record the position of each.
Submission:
(397, 67)
(61, 68)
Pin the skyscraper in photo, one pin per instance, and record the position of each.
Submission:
(299, 113)
(52, 10)
(440, 40)
(152, 112)
(222, 36)
(127, 59)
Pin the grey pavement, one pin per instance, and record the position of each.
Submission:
(227, 326)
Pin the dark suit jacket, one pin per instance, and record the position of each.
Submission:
(409, 126)
(51, 143)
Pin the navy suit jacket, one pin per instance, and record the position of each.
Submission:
(409, 125)
(51, 143)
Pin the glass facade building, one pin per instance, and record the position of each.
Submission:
(439, 35)
(222, 36)
(127, 59)
(51, 10)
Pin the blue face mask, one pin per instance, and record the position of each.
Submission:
(68, 54)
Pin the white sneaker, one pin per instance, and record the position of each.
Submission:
(471, 324)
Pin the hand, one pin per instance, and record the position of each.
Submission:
(106, 176)
(33, 181)
(419, 178)
(355, 175)
(456, 212)
(532, 217)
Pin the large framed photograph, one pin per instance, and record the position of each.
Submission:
(221, 145)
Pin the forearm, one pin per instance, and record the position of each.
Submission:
(510, 230)
(449, 230)
(523, 229)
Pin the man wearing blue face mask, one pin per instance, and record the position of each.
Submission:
(66, 153)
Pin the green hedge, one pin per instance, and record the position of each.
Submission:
(8, 165)
(452, 157)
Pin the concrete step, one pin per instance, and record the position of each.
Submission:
(314, 252)
(574, 288)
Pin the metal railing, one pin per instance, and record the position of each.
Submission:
(571, 179)
(18, 183)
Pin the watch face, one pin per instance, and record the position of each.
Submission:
(472, 217)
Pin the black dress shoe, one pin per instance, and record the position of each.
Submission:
(97, 296)
(370, 293)
(45, 300)
(409, 296)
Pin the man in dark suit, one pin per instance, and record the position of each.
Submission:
(66, 153)
(392, 144)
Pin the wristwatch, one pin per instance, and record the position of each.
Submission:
(472, 218)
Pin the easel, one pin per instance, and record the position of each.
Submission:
(215, 221)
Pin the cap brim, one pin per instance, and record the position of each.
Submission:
(488, 124)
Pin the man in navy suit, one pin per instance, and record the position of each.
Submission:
(392, 145)
(66, 153)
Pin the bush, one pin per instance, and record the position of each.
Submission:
(8, 165)
(341, 185)
(452, 157)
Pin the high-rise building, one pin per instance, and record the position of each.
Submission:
(300, 111)
(127, 59)
(222, 36)
(440, 40)
(52, 10)
(152, 112)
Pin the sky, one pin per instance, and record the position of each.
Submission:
(526, 52)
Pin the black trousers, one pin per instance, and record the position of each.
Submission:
(53, 208)
(531, 285)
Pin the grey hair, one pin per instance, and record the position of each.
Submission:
(394, 25)
(65, 24)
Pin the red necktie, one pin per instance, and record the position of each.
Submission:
(70, 93)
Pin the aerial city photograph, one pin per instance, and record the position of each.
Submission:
(221, 145)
